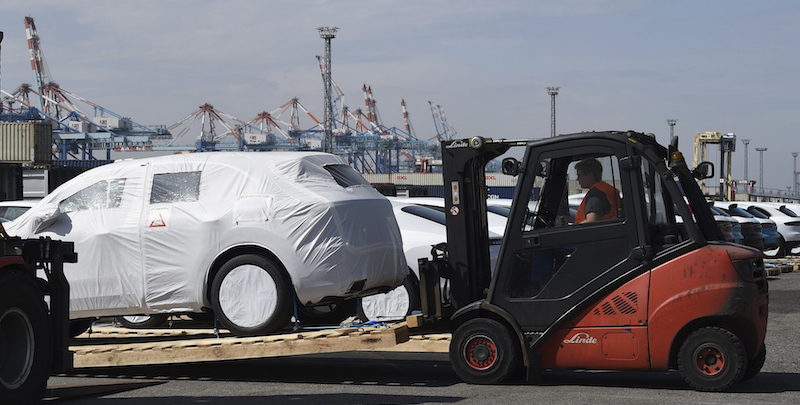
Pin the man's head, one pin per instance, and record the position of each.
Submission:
(590, 171)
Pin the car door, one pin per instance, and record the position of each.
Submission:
(553, 266)
(102, 220)
(178, 233)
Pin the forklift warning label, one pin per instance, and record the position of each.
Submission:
(581, 338)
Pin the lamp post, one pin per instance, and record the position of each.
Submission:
(794, 173)
(671, 122)
(328, 33)
(761, 168)
(553, 92)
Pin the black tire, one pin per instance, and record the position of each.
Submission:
(754, 365)
(484, 352)
(332, 314)
(78, 326)
(781, 250)
(25, 340)
(251, 295)
(142, 321)
(712, 359)
(407, 294)
(201, 316)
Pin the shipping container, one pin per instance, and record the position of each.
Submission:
(26, 142)
(10, 181)
(435, 179)
(39, 181)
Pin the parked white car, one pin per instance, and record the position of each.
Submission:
(242, 234)
(12, 209)
(422, 227)
(496, 222)
(787, 221)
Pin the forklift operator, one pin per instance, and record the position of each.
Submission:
(602, 200)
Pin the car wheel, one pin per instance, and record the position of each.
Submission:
(778, 252)
(252, 295)
(201, 316)
(393, 305)
(332, 314)
(25, 340)
(754, 365)
(142, 321)
(483, 352)
(712, 359)
(78, 326)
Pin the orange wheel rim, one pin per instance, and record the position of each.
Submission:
(709, 360)
(480, 352)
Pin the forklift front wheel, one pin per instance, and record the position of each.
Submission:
(484, 352)
(712, 359)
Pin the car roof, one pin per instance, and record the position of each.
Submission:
(19, 203)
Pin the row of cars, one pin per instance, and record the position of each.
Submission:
(771, 227)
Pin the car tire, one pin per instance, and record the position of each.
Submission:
(78, 326)
(201, 316)
(484, 352)
(332, 314)
(780, 251)
(24, 326)
(712, 359)
(252, 295)
(406, 298)
(142, 321)
(754, 365)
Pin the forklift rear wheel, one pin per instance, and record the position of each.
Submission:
(484, 352)
(712, 359)
(252, 295)
(25, 340)
(754, 365)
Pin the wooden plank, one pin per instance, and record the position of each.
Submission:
(438, 343)
(212, 349)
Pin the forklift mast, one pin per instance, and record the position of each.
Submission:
(464, 171)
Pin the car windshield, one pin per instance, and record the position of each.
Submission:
(345, 176)
(425, 212)
(757, 213)
(787, 211)
(719, 211)
(738, 212)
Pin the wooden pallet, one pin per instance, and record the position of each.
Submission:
(201, 348)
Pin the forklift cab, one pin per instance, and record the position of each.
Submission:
(554, 265)
(612, 290)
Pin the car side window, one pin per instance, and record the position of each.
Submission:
(174, 187)
(345, 175)
(101, 195)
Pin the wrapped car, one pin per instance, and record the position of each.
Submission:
(246, 235)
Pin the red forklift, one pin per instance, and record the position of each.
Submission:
(34, 315)
(651, 287)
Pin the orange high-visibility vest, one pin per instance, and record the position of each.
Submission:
(612, 195)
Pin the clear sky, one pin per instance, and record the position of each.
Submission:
(725, 65)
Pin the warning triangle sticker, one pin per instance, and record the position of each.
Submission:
(158, 222)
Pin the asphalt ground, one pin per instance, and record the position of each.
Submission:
(427, 378)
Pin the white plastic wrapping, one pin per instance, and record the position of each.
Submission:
(148, 231)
